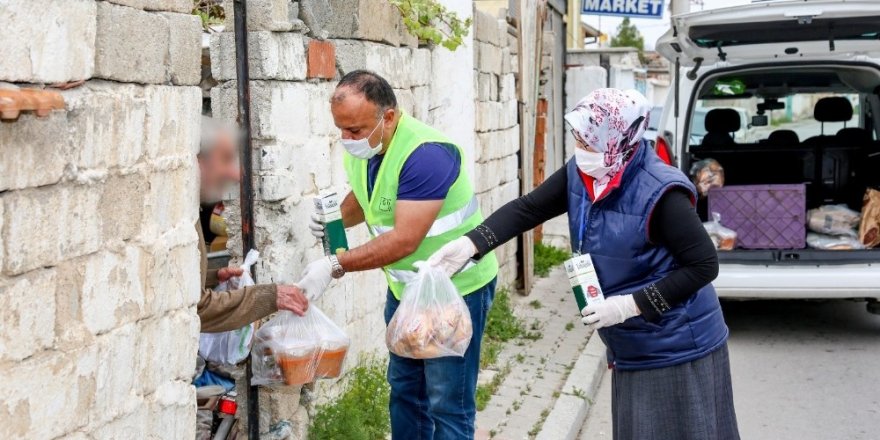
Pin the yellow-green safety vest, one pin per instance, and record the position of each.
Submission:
(460, 212)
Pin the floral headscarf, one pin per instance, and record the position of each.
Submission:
(611, 121)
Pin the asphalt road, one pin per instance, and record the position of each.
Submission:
(801, 370)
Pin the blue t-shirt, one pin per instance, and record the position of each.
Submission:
(427, 174)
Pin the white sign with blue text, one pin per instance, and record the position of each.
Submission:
(624, 8)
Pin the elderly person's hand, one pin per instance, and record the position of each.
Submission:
(291, 298)
(316, 277)
(224, 274)
(612, 311)
(453, 255)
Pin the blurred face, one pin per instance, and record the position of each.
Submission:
(219, 169)
(358, 118)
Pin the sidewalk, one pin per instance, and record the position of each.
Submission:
(535, 389)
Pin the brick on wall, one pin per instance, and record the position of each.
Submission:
(27, 311)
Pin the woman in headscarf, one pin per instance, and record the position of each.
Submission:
(661, 319)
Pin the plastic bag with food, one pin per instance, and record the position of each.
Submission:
(707, 174)
(869, 229)
(832, 242)
(232, 347)
(295, 350)
(432, 319)
(723, 238)
(833, 220)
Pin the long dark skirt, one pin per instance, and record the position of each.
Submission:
(692, 401)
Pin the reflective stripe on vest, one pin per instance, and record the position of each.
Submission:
(443, 224)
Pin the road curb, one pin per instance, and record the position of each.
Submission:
(570, 410)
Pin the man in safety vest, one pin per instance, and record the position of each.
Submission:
(411, 190)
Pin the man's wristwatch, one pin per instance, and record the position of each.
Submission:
(336, 269)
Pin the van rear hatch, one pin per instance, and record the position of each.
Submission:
(778, 30)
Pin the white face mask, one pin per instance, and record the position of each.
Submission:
(592, 164)
(361, 148)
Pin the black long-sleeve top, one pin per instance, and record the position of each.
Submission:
(674, 225)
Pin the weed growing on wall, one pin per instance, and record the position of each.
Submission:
(547, 257)
(361, 411)
(432, 22)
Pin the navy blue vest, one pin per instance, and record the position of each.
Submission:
(614, 231)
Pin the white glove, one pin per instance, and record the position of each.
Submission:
(316, 226)
(315, 278)
(453, 255)
(612, 311)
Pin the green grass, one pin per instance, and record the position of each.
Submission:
(485, 392)
(569, 326)
(361, 412)
(501, 326)
(548, 257)
(536, 304)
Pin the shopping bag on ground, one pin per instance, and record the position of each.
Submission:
(432, 320)
(232, 347)
(295, 350)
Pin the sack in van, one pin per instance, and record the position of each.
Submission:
(833, 220)
(869, 229)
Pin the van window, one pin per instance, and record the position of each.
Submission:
(797, 116)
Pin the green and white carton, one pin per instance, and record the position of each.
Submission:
(584, 281)
(327, 208)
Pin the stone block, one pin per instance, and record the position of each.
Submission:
(271, 55)
(184, 6)
(50, 224)
(321, 60)
(107, 124)
(29, 141)
(48, 395)
(128, 191)
(166, 350)
(422, 102)
(172, 277)
(488, 58)
(173, 121)
(370, 20)
(394, 64)
(496, 115)
(487, 87)
(131, 45)
(406, 100)
(131, 425)
(486, 29)
(497, 144)
(120, 274)
(47, 41)
(171, 201)
(507, 87)
(173, 404)
(495, 173)
(267, 15)
(27, 310)
(184, 49)
(278, 110)
(277, 187)
(116, 394)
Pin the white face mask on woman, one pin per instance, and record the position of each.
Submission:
(591, 163)
(361, 148)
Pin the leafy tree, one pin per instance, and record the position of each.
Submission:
(629, 36)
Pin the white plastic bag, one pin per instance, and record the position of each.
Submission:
(833, 243)
(295, 350)
(432, 319)
(232, 347)
(723, 238)
(834, 220)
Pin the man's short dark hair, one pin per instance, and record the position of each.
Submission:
(375, 88)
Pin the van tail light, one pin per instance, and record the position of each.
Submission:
(663, 150)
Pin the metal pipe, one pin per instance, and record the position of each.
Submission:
(246, 194)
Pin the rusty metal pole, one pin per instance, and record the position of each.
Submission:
(246, 194)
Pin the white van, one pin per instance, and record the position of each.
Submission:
(809, 72)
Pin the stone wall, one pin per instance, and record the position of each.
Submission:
(497, 146)
(99, 270)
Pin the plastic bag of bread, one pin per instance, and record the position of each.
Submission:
(869, 229)
(295, 350)
(723, 238)
(706, 174)
(833, 220)
(432, 320)
(832, 242)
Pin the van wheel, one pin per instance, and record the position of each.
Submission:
(873, 306)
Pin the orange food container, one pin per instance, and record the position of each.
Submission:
(330, 362)
(298, 369)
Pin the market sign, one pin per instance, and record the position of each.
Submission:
(624, 8)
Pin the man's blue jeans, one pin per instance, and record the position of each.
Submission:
(433, 399)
